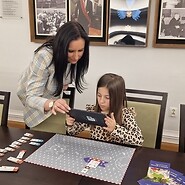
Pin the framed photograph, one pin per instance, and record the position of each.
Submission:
(169, 24)
(93, 16)
(46, 16)
(128, 24)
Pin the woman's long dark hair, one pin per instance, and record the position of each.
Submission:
(117, 94)
(59, 44)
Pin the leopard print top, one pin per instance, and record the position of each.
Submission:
(127, 133)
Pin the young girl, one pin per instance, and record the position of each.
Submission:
(111, 100)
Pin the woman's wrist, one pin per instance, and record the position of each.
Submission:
(49, 105)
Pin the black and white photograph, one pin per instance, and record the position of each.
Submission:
(128, 24)
(173, 4)
(170, 24)
(49, 16)
(92, 15)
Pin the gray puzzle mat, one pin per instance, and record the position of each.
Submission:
(72, 154)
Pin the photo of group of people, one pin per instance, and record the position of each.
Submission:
(51, 14)
(172, 22)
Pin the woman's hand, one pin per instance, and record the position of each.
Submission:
(110, 122)
(69, 120)
(61, 106)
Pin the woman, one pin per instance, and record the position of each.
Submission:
(56, 64)
(120, 120)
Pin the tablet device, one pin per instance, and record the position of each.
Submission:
(92, 118)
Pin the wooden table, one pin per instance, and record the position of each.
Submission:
(30, 174)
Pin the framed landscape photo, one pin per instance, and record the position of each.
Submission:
(169, 24)
(46, 16)
(93, 16)
(128, 23)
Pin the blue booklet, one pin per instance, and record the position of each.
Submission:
(183, 180)
(175, 177)
(158, 173)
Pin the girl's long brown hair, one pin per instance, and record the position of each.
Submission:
(117, 93)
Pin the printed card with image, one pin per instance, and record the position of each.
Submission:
(8, 169)
(25, 138)
(15, 160)
(1, 154)
(17, 143)
(85, 170)
(28, 135)
(94, 163)
(9, 149)
(3, 150)
(34, 143)
(14, 146)
(37, 140)
(158, 172)
(21, 153)
(22, 141)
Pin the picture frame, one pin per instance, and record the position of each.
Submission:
(98, 26)
(42, 17)
(95, 22)
(169, 28)
(128, 23)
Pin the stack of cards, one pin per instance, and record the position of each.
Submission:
(161, 173)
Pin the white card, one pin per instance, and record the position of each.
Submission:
(15, 160)
(93, 163)
(34, 143)
(28, 135)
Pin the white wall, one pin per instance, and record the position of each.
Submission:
(143, 68)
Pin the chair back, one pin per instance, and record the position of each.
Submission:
(150, 107)
(4, 107)
(69, 96)
(58, 120)
(182, 129)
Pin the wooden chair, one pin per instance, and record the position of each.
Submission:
(150, 109)
(182, 129)
(4, 107)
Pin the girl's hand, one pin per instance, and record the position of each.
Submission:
(69, 120)
(110, 122)
(61, 106)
